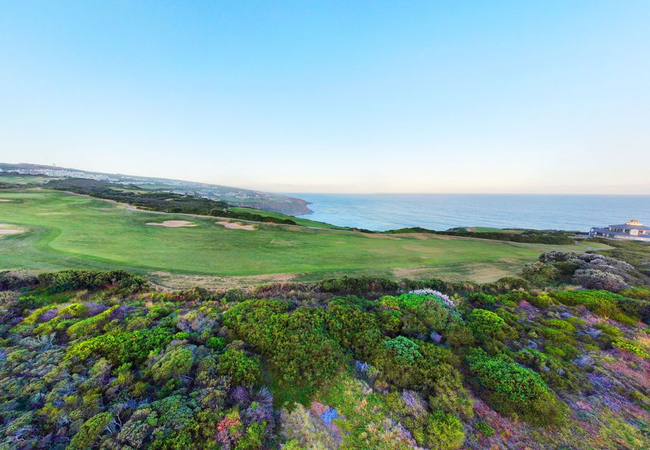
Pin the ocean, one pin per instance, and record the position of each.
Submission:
(382, 212)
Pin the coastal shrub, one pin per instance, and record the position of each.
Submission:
(67, 280)
(485, 429)
(243, 369)
(598, 279)
(541, 300)
(635, 308)
(638, 293)
(90, 325)
(405, 349)
(630, 346)
(515, 390)
(444, 432)
(296, 343)
(216, 343)
(173, 364)
(438, 430)
(481, 300)
(11, 280)
(90, 431)
(122, 348)
(540, 274)
(422, 366)
(562, 325)
(415, 315)
(40, 315)
(603, 303)
(488, 326)
(353, 328)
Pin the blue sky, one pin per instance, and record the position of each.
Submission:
(307, 96)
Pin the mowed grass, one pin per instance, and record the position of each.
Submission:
(66, 231)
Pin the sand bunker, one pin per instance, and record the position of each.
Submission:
(173, 224)
(9, 229)
(4, 200)
(236, 226)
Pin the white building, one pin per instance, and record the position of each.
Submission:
(631, 231)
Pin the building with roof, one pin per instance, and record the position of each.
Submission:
(631, 231)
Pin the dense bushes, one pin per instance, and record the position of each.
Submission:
(515, 390)
(606, 304)
(589, 270)
(296, 343)
(244, 370)
(122, 348)
(488, 326)
(90, 431)
(68, 280)
(188, 370)
(13, 281)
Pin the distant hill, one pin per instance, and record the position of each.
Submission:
(234, 196)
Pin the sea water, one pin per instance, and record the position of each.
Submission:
(442, 211)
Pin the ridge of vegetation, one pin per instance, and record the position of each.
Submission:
(92, 359)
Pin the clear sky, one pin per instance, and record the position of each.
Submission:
(316, 96)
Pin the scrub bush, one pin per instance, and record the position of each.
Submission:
(515, 390)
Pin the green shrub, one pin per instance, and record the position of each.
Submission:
(216, 343)
(68, 280)
(630, 346)
(353, 328)
(481, 300)
(35, 315)
(90, 431)
(122, 348)
(296, 343)
(561, 325)
(604, 303)
(485, 429)
(405, 349)
(513, 389)
(542, 300)
(244, 370)
(488, 326)
(444, 432)
(173, 364)
(74, 310)
(638, 293)
(90, 325)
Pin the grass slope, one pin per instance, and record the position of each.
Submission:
(66, 231)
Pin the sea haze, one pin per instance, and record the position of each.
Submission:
(442, 211)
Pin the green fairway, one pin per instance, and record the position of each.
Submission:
(66, 231)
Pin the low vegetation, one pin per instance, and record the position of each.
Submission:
(92, 359)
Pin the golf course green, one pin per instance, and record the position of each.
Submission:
(43, 230)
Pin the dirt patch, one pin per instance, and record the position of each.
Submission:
(175, 281)
(5, 200)
(236, 226)
(54, 214)
(173, 224)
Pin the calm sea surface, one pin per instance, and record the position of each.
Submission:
(442, 211)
